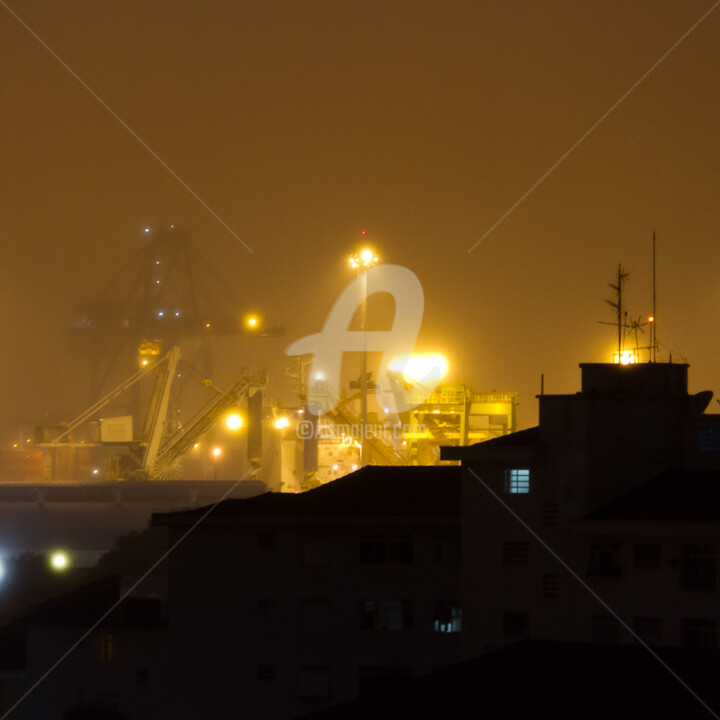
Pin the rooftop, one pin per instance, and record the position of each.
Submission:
(371, 491)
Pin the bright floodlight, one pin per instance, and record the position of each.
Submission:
(281, 423)
(364, 259)
(233, 421)
(59, 560)
(252, 322)
(217, 452)
(424, 369)
(626, 357)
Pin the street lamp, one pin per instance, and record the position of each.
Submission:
(217, 452)
(361, 262)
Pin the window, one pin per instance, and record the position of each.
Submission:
(315, 616)
(516, 625)
(447, 617)
(698, 633)
(104, 651)
(649, 629)
(316, 550)
(393, 615)
(374, 679)
(142, 676)
(605, 560)
(314, 682)
(551, 586)
(266, 606)
(647, 557)
(515, 552)
(517, 481)
(697, 568)
(605, 629)
(446, 550)
(708, 439)
(266, 539)
(265, 673)
(551, 514)
(379, 549)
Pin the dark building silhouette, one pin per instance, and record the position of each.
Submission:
(591, 539)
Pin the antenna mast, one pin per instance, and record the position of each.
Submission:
(653, 329)
(619, 307)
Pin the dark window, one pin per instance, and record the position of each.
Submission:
(142, 676)
(316, 550)
(515, 552)
(266, 539)
(551, 586)
(390, 615)
(104, 647)
(314, 681)
(315, 616)
(446, 550)
(517, 481)
(708, 439)
(605, 560)
(516, 625)
(605, 629)
(649, 629)
(698, 633)
(377, 679)
(447, 617)
(551, 514)
(380, 549)
(697, 568)
(266, 606)
(647, 556)
(265, 673)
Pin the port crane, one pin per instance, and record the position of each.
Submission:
(160, 446)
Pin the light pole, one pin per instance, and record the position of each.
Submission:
(361, 262)
(216, 454)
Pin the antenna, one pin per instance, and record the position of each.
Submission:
(619, 306)
(653, 324)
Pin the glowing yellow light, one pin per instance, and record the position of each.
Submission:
(281, 423)
(424, 369)
(364, 259)
(233, 421)
(196, 446)
(626, 357)
(217, 452)
(651, 319)
(59, 560)
(252, 322)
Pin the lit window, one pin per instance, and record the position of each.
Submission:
(447, 617)
(517, 481)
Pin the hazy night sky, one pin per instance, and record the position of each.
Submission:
(303, 123)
